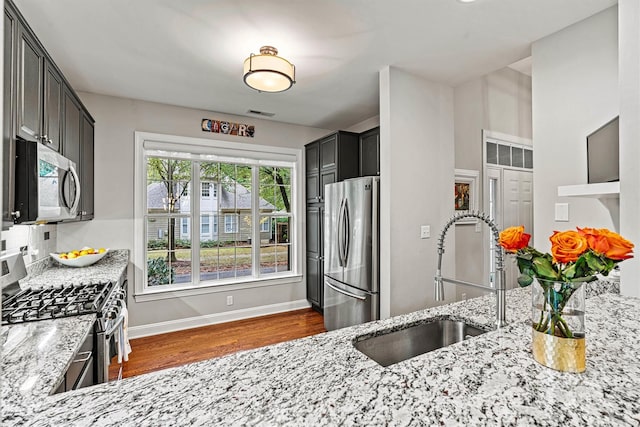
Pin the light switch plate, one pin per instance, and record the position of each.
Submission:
(425, 231)
(562, 212)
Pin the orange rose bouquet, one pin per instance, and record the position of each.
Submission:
(576, 257)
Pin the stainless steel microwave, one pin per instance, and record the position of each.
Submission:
(47, 187)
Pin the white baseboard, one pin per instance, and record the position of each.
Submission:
(212, 319)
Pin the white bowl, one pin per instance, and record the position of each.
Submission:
(81, 261)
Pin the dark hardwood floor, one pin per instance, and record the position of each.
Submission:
(157, 352)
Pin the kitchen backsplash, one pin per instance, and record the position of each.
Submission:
(39, 240)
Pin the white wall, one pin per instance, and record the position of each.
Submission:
(575, 91)
(629, 48)
(116, 121)
(501, 102)
(417, 158)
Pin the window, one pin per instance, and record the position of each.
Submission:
(231, 223)
(252, 192)
(204, 225)
(205, 189)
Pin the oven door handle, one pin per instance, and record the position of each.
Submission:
(115, 326)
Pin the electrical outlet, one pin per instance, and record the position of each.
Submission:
(230, 300)
(425, 231)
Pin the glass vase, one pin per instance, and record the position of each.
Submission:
(557, 317)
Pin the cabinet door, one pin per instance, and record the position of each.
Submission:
(370, 153)
(86, 169)
(312, 162)
(8, 134)
(312, 186)
(329, 152)
(315, 264)
(71, 134)
(52, 107)
(29, 85)
(312, 166)
(327, 177)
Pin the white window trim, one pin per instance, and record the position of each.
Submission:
(265, 227)
(214, 150)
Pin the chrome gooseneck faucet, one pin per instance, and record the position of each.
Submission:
(500, 280)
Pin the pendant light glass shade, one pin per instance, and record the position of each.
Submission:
(267, 72)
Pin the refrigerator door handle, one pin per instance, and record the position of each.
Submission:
(341, 234)
(349, 294)
(347, 232)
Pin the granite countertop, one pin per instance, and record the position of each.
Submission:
(35, 355)
(51, 273)
(323, 380)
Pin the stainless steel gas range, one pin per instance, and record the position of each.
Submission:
(105, 299)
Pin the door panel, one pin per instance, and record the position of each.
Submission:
(358, 270)
(30, 74)
(334, 196)
(517, 210)
(326, 177)
(346, 306)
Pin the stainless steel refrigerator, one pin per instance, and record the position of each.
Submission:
(351, 252)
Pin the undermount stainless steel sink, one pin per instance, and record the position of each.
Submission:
(396, 346)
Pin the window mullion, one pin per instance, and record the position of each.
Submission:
(195, 222)
(255, 220)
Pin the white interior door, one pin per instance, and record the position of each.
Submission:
(516, 208)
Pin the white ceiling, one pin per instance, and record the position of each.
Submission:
(190, 52)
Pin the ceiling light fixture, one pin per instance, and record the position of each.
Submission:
(267, 72)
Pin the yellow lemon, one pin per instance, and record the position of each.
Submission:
(83, 253)
(72, 255)
(101, 250)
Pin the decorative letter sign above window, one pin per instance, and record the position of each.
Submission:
(228, 128)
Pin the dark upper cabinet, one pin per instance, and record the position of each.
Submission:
(52, 125)
(29, 84)
(8, 131)
(86, 168)
(71, 135)
(330, 159)
(370, 152)
(40, 105)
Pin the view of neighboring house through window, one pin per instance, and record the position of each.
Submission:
(205, 189)
(254, 239)
(204, 225)
(230, 223)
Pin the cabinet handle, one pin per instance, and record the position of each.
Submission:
(83, 212)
